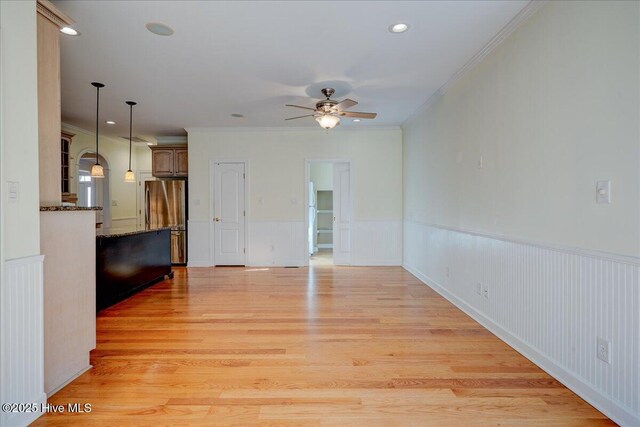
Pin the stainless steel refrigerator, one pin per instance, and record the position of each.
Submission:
(166, 207)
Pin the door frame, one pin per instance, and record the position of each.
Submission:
(212, 198)
(307, 178)
(106, 188)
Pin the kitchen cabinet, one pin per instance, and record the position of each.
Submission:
(65, 167)
(169, 162)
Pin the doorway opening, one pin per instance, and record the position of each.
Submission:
(328, 188)
(94, 192)
(320, 232)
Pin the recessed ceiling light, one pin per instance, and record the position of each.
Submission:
(237, 115)
(110, 122)
(356, 120)
(159, 29)
(68, 31)
(400, 27)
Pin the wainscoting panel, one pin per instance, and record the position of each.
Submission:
(198, 242)
(22, 335)
(550, 304)
(377, 243)
(277, 243)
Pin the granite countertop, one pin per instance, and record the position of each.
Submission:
(126, 231)
(68, 208)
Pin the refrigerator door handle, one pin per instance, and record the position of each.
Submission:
(146, 207)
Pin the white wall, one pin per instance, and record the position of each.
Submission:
(21, 285)
(321, 174)
(20, 128)
(116, 152)
(551, 110)
(276, 187)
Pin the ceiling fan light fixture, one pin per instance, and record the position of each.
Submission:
(328, 121)
(398, 28)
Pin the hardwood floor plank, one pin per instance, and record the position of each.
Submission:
(321, 346)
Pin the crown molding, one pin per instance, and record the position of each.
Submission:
(529, 10)
(288, 129)
(53, 14)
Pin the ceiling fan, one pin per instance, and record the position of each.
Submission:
(328, 111)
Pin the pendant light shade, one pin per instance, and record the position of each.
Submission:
(328, 121)
(129, 176)
(97, 171)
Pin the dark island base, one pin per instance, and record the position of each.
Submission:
(128, 263)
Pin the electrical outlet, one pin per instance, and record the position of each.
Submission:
(448, 272)
(480, 162)
(485, 291)
(603, 350)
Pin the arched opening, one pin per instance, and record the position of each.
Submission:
(94, 192)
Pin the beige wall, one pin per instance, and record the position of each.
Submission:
(19, 127)
(321, 174)
(116, 152)
(277, 169)
(552, 110)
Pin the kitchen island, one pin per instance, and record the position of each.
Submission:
(128, 260)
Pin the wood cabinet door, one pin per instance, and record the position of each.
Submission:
(181, 162)
(162, 162)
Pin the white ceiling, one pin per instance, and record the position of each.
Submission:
(252, 57)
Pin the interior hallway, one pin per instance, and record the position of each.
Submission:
(308, 346)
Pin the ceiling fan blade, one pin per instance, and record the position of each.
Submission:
(300, 117)
(358, 115)
(300, 106)
(344, 104)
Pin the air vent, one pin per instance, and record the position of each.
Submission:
(134, 139)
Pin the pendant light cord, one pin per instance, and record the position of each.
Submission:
(97, 120)
(130, 127)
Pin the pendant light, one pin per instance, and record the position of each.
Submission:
(129, 176)
(96, 170)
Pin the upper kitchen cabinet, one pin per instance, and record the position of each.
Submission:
(169, 161)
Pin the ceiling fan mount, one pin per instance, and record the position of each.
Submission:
(329, 111)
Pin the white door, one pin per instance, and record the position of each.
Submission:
(342, 214)
(229, 214)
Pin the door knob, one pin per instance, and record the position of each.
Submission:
(216, 219)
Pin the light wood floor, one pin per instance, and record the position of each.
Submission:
(322, 346)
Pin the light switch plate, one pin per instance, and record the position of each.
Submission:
(603, 192)
(14, 191)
